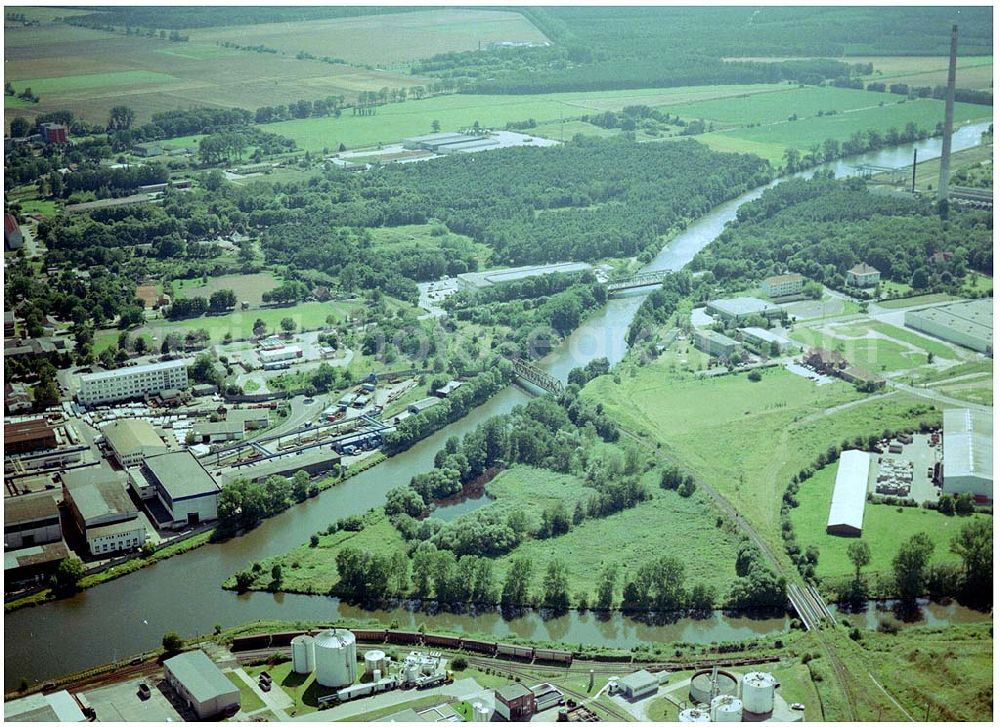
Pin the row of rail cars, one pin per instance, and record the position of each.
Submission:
(415, 638)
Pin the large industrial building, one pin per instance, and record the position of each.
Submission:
(847, 509)
(714, 343)
(968, 453)
(201, 684)
(968, 323)
(762, 338)
(28, 436)
(54, 707)
(477, 281)
(132, 440)
(514, 702)
(30, 520)
(102, 510)
(183, 486)
(736, 310)
(132, 382)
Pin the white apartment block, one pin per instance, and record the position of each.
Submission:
(132, 382)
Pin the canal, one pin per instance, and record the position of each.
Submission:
(130, 615)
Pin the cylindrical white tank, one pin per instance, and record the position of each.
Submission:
(726, 708)
(758, 692)
(374, 659)
(303, 654)
(480, 712)
(410, 673)
(694, 715)
(336, 658)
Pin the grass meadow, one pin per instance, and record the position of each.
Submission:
(884, 529)
(748, 438)
(239, 323)
(683, 527)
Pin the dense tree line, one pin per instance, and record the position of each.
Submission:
(821, 227)
(460, 402)
(106, 182)
(243, 503)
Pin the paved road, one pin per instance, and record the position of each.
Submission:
(938, 397)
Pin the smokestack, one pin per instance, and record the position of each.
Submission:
(949, 113)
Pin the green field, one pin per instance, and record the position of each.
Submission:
(884, 529)
(395, 122)
(774, 132)
(873, 354)
(387, 40)
(307, 316)
(249, 701)
(88, 81)
(747, 439)
(916, 300)
(421, 237)
(675, 523)
(248, 288)
(89, 71)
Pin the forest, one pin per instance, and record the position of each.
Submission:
(821, 227)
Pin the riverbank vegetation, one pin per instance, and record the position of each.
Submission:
(563, 502)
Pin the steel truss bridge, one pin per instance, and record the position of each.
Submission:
(639, 280)
(534, 375)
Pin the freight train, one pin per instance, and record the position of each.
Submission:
(415, 638)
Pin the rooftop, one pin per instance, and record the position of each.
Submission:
(181, 475)
(847, 507)
(786, 278)
(129, 370)
(227, 427)
(495, 277)
(742, 306)
(56, 707)
(972, 317)
(968, 443)
(26, 431)
(98, 492)
(199, 675)
(638, 680)
(510, 692)
(717, 337)
(29, 508)
(34, 555)
(863, 269)
(763, 334)
(132, 435)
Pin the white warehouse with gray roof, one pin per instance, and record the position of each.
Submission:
(968, 452)
(201, 684)
(850, 491)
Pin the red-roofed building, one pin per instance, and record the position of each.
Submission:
(12, 237)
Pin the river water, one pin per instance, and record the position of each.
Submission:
(183, 594)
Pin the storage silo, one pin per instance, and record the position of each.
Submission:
(758, 692)
(480, 712)
(374, 659)
(726, 708)
(694, 714)
(303, 654)
(336, 658)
